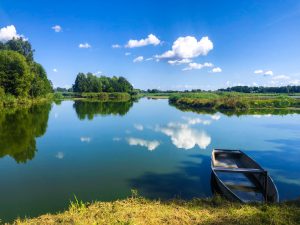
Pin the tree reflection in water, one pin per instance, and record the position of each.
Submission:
(19, 129)
(88, 109)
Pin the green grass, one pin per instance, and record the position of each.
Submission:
(233, 101)
(137, 210)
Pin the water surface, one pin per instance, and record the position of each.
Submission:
(100, 151)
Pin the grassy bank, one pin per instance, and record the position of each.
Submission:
(233, 101)
(197, 211)
(103, 96)
(9, 101)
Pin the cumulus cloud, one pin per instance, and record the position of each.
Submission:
(8, 33)
(84, 45)
(197, 66)
(85, 139)
(127, 53)
(116, 46)
(216, 70)
(55, 70)
(150, 145)
(179, 61)
(188, 47)
(185, 137)
(97, 73)
(57, 28)
(138, 59)
(150, 40)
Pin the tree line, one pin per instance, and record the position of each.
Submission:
(91, 83)
(247, 89)
(20, 75)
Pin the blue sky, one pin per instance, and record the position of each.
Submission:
(216, 43)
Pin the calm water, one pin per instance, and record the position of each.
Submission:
(100, 151)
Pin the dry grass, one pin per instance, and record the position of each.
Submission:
(142, 211)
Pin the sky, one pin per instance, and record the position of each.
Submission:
(162, 44)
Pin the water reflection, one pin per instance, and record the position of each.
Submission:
(184, 136)
(88, 109)
(19, 129)
(191, 180)
(151, 145)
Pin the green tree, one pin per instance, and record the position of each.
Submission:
(40, 85)
(15, 74)
(21, 46)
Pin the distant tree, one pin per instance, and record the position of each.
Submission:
(15, 74)
(92, 83)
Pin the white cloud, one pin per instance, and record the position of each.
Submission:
(216, 70)
(150, 40)
(138, 59)
(193, 121)
(151, 145)
(149, 59)
(268, 73)
(60, 155)
(57, 28)
(85, 139)
(127, 53)
(188, 47)
(84, 45)
(258, 71)
(197, 66)
(139, 127)
(8, 33)
(179, 61)
(281, 77)
(116, 46)
(55, 70)
(182, 136)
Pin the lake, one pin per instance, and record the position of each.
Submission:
(100, 151)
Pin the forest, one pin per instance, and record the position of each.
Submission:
(90, 83)
(20, 75)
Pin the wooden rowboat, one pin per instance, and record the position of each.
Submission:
(238, 177)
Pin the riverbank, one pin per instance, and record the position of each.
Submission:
(138, 210)
(10, 101)
(103, 96)
(233, 101)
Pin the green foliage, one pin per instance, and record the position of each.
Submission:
(20, 76)
(89, 83)
(19, 128)
(21, 46)
(15, 75)
(246, 89)
(88, 109)
(40, 86)
(231, 101)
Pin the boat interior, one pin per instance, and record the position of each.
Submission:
(243, 176)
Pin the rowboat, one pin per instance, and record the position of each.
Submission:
(239, 178)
